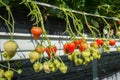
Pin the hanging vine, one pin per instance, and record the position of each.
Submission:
(77, 48)
(10, 46)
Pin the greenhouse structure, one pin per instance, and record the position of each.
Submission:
(59, 40)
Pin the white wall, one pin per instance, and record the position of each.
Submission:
(26, 43)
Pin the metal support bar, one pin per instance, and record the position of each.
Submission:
(94, 70)
(78, 12)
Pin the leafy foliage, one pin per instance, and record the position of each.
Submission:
(102, 7)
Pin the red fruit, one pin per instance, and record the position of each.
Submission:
(40, 49)
(76, 42)
(83, 47)
(82, 40)
(51, 51)
(112, 42)
(99, 42)
(65, 48)
(70, 47)
(118, 21)
(93, 44)
(54, 49)
(36, 31)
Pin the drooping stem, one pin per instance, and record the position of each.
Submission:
(89, 27)
(68, 26)
(36, 14)
(10, 21)
(108, 26)
(7, 67)
(76, 24)
(60, 59)
(7, 23)
(43, 28)
(97, 31)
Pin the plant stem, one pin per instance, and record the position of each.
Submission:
(93, 33)
(7, 67)
(9, 21)
(68, 27)
(36, 13)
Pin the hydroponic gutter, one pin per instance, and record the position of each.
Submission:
(19, 35)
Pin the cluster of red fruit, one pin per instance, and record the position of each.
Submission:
(48, 66)
(82, 45)
(81, 52)
(50, 50)
(40, 49)
(76, 44)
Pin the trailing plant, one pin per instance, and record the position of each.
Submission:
(77, 48)
(10, 46)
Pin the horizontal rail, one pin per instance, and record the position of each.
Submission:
(74, 11)
(27, 35)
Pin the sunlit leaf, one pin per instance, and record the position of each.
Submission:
(94, 23)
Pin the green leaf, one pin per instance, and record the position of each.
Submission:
(80, 27)
(5, 1)
(95, 23)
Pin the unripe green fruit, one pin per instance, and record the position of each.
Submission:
(19, 71)
(78, 61)
(75, 53)
(98, 56)
(86, 54)
(52, 67)
(85, 63)
(2, 78)
(107, 49)
(9, 74)
(1, 73)
(87, 59)
(118, 33)
(37, 67)
(94, 55)
(118, 48)
(63, 68)
(93, 50)
(46, 67)
(10, 46)
(70, 57)
(91, 58)
(33, 55)
(56, 63)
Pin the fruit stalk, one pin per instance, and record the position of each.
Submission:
(10, 21)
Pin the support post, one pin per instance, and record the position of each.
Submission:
(94, 70)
